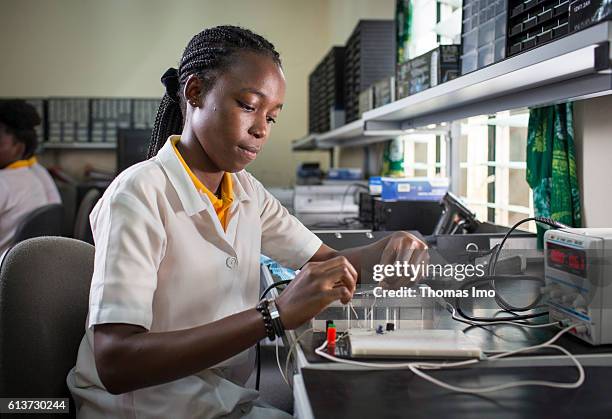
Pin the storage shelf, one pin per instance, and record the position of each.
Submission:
(566, 69)
(351, 134)
(306, 143)
(78, 146)
(571, 68)
(354, 134)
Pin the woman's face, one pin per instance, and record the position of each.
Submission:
(10, 149)
(234, 119)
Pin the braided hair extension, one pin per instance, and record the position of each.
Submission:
(17, 117)
(206, 55)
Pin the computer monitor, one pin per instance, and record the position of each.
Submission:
(132, 146)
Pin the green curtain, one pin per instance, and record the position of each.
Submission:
(403, 26)
(551, 165)
(393, 158)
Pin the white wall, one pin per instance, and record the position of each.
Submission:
(120, 48)
(593, 135)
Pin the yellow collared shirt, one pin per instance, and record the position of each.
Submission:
(22, 163)
(163, 262)
(221, 205)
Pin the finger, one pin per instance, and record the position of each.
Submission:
(418, 258)
(344, 266)
(339, 261)
(352, 269)
(339, 293)
(407, 251)
(414, 253)
(342, 275)
(424, 260)
(421, 255)
(420, 244)
(389, 253)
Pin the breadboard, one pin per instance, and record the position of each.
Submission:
(430, 343)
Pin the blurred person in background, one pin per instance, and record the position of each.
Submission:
(24, 184)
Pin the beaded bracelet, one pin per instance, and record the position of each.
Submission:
(262, 307)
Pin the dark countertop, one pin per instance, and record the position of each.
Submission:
(399, 393)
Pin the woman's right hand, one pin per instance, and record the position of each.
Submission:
(316, 286)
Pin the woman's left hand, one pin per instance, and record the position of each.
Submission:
(403, 247)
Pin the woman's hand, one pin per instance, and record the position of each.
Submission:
(403, 247)
(316, 286)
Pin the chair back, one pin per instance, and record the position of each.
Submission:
(82, 228)
(44, 221)
(44, 293)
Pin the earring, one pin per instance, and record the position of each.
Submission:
(193, 103)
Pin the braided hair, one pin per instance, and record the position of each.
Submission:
(206, 55)
(17, 117)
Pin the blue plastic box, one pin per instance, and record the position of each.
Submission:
(413, 189)
(344, 173)
(375, 185)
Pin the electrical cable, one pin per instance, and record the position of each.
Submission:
(291, 349)
(495, 256)
(365, 319)
(564, 385)
(474, 321)
(274, 285)
(454, 312)
(417, 367)
(515, 317)
(258, 346)
(258, 360)
(279, 365)
(352, 185)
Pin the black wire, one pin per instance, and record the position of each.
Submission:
(258, 359)
(491, 279)
(495, 256)
(258, 346)
(503, 310)
(497, 319)
(543, 220)
(275, 285)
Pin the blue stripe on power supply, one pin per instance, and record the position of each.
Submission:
(568, 310)
(569, 284)
(565, 244)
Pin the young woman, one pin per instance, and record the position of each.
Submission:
(24, 184)
(173, 310)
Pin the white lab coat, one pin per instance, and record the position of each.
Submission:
(164, 262)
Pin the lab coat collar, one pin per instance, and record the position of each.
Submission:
(187, 192)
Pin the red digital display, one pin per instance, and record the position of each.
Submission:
(576, 262)
(556, 256)
(566, 259)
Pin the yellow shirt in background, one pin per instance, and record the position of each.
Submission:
(24, 186)
(222, 204)
(22, 163)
